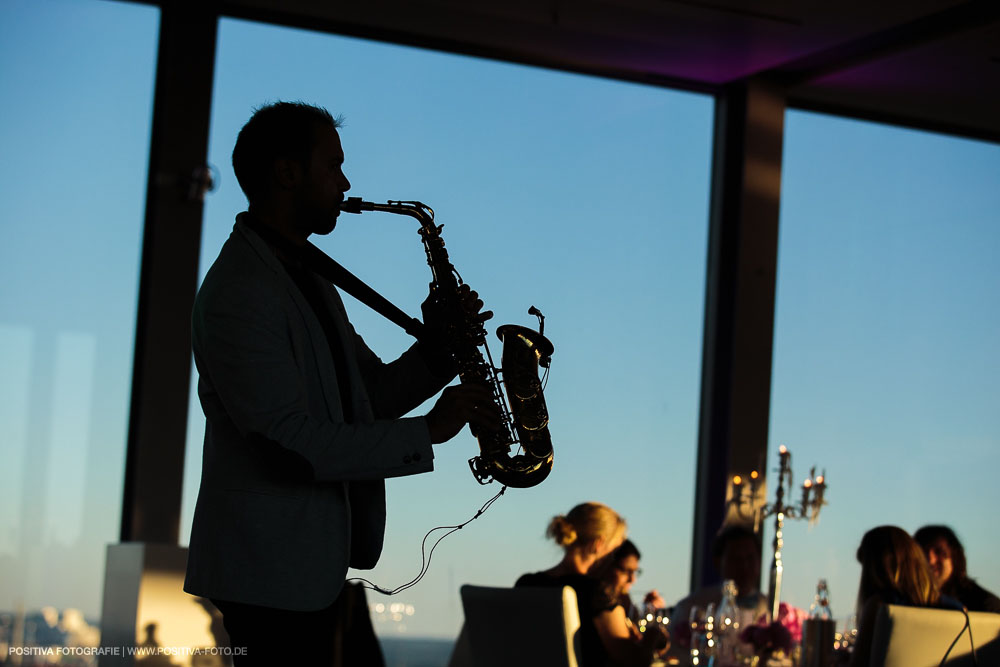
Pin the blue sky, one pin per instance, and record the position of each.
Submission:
(585, 197)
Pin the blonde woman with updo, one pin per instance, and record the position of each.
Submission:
(588, 534)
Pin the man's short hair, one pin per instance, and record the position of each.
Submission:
(279, 130)
(729, 534)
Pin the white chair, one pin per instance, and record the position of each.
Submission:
(527, 627)
(919, 637)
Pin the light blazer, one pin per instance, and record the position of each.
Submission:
(290, 494)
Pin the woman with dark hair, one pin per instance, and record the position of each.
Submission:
(893, 571)
(620, 573)
(946, 557)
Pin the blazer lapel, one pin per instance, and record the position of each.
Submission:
(325, 368)
(366, 499)
(361, 403)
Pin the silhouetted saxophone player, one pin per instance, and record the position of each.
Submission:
(303, 421)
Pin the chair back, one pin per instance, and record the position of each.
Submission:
(919, 637)
(525, 626)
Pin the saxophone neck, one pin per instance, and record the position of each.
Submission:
(422, 212)
(430, 233)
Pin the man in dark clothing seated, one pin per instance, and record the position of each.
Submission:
(947, 560)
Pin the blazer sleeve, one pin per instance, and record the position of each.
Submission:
(396, 387)
(246, 355)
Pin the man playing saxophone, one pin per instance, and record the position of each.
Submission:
(303, 421)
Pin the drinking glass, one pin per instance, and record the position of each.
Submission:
(850, 632)
(696, 621)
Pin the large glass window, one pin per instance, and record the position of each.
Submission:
(77, 81)
(582, 196)
(885, 353)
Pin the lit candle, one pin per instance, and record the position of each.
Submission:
(806, 487)
(737, 496)
(820, 488)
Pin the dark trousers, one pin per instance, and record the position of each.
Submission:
(262, 636)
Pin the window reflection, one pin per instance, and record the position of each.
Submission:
(77, 81)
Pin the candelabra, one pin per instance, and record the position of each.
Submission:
(744, 501)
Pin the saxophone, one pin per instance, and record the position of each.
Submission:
(525, 421)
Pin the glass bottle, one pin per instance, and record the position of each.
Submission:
(820, 608)
(819, 630)
(727, 627)
(698, 619)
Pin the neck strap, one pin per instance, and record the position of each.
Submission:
(317, 261)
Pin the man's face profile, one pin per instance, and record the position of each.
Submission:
(323, 184)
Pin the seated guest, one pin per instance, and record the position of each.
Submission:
(893, 571)
(622, 574)
(947, 560)
(736, 554)
(616, 623)
(588, 535)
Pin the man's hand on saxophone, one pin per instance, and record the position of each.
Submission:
(468, 403)
(440, 320)
(437, 316)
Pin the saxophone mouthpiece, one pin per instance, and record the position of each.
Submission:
(353, 205)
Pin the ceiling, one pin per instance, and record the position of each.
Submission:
(931, 64)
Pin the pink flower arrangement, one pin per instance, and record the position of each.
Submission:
(792, 618)
(782, 634)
